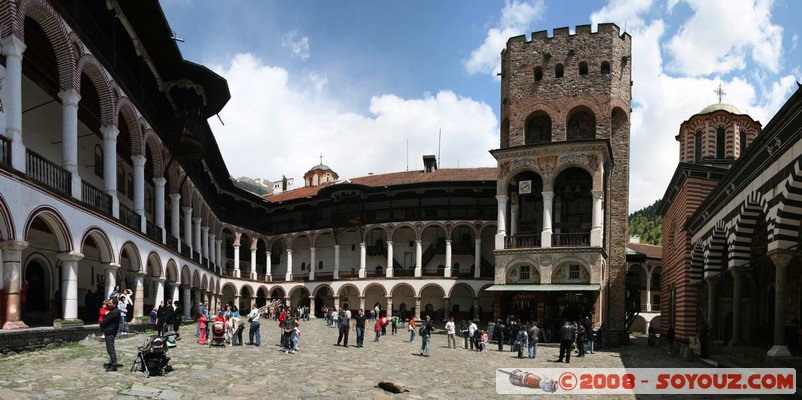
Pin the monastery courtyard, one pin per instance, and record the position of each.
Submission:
(319, 370)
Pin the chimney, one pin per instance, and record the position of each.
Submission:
(429, 163)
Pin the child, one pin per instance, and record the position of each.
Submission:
(229, 328)
(377, 327)
(484, 341)
(202, 324)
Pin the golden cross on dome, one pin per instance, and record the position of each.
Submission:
(720, 92)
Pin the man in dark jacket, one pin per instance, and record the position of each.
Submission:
(110, 325)
(567, 336)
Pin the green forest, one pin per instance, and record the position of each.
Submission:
(646, 224)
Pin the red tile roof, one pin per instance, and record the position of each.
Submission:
(650, 250)
(396, 178)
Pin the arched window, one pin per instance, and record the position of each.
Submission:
(538, 74)
(537, 129)
(720, 142)
(120, 179)
(605, 68)
(558, 71)
(697, 147)
(129, 184)
(581, 126)
(742, 147)
(583, 68)
(99, 161)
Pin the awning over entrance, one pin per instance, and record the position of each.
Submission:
(544, 288)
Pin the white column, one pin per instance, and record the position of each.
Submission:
(477, 258)
(175, 294)
(69, 283)
(139, 188)
(253, 263)
(447, 270)
(139, 295)
(237, 272)
(196, 245)
(737, 309)
(781, 261)
(187, 302)
(175, 217)
(545, 235)
(596, 229)
(158, 206)
(12, 281)
(362, 260)
(312, 265)
(389, 270)
(336, 261)
(69, 137)
(159, 291)
(418, 258)
(110, 270)
(110, 166)
(288, 277)
(417, 314)
(514, 215)
(501, 230)
(268, 267)
(218, 252)
(13, 48)
(210, 245)
(648, 290)
(187, 226)
(204, 241)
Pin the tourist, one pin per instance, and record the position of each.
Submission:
(394, 325)
(344, 322)
(500, 328)
(521, 341)
(253, 318)
(122, 304)
(334, 317)
(202, 310)
(359, 327)
(377, 328)
(451, 331)
(472, 336)
(483, 341)
(652, 335)
(580, 340)
(154, 314)
(534, 337)
(411, 328)
(567, 336)
(426, 330)
(670, 339)
(290, 331)
(178, 314)
(110, 325)
(384, 322)
(115, 292)
(202, 322)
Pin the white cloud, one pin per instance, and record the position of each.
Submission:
(274, 129)
(516, 17)
(299, 47)
(624, 13)
(722, 34)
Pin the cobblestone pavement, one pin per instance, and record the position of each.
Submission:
(319, 370)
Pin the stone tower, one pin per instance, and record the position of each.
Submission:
(563, 177)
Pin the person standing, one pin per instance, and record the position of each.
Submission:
(580, 340)
(377, 328)
(202, 322)
(521, 341)
(290, 334)
(534, 337)
(426, 336)
(123, 306)
(359, 327)
(451, 331)
(394, 325)
(202, 310)
(411, 326)
(472, 337)
(670, 339)
(500, 329)
(178, 310)
(344, 325)
(110, 325)
(253, 318)
(160, 319)
(567, 336)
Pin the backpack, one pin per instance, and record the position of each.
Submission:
(343, 321)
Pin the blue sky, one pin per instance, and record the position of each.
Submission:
(362, 81)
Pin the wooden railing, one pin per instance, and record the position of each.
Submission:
(48, 173)
(521, 241)
(129, 218)
(403, 272)
(153, 231)
(570, 239)
(172, 242)
(95, 198)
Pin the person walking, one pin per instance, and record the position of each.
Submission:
(359, 327)
(426, 330)
(377, 328)
(110, 326)
(411, 326)
(534, 337)
(344, 325)
(451, 331)
(472, 336)
(500, 329)
(567, 336)
(394, 325)
(253, 318)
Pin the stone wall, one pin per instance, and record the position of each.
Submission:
(22, 340)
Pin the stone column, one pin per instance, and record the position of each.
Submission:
(389, 306)
(69, 137)
(476, 315)
(237, 300)
(312, 307)
(139, 295)
(196, 245)
(312, 263)
(336, 261)
(269, 267)
(204, 241)
(362, 260)
(187, 226)
(336, 300)
(159, 291)
(362, 302)
(514, 215)
(211, 246)
(447, 310)
(12, 276)
(158, 205)
(418, 313)
(253, 262)
(477, 259)
(501, 229)
(187, 302)
(447, 270)
(548, 204)
(13, 47)
(139, 190)
(175, 217)
(69, 283)
(288, 301)
(237, 272)
(596, 218)
(418, 258)
(388, 272)
(110, 166)
(218, 253)
(288, 277)
(737, 310)
(781, 259)
(111, 278)
(712, 302)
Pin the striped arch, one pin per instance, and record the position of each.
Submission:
(125, 107)
(186, 276)
(172, 272)
(744, 228)
(785, 233)
(133, 254)
(103, 244)
(578, 104)
(56, 31)
(716, 248)
(402, 225)
(173, 175)
(196, 279)
(6, 221)
(204, 282)
(55, 222)
(697, 263)
(155, 262)
(89, 65)
(157, 158)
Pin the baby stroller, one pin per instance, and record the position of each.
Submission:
(151, 357)
(218, 334)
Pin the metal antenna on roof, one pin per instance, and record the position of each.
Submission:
(439, 140)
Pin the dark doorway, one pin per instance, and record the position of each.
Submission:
(37, 307)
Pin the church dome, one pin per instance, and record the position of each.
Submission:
(722, 107)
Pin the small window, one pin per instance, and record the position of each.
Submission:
(303, 266)
(523, 273)
(720, 143)
(605, 68)
(583, 68)
(742, 140)
(99, 161)
(573, 272)
(697, 147)
(558, 71)
(538, 74)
